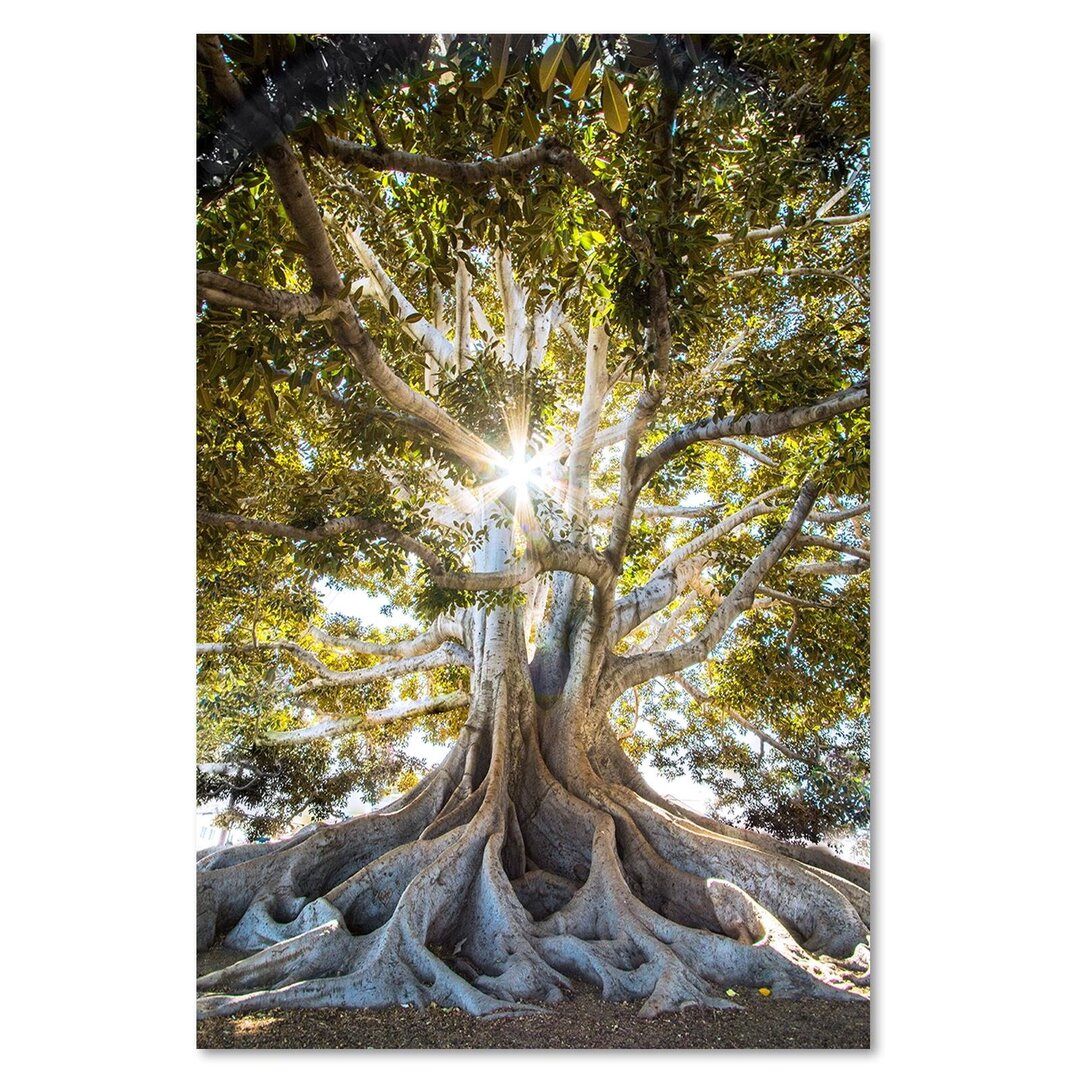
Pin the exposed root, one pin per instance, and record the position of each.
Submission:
(494, 884)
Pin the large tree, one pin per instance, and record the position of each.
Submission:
(561, 345)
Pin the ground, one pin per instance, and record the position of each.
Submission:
(583, 1021)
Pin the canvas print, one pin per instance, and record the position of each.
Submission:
(533, 517)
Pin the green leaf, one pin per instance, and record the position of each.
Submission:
(531, 125)
(549, 65)
(582, 78)
(500, 57)
(498, 144)
(616, 111)
(415, 317)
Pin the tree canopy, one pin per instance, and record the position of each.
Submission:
(492, 209)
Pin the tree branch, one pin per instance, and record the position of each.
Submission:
(759, 424)
(308, 659)
(813, 540)
(627, 672)
(412, 323)
(831, 569)
(457, 172)
(443, 629)
(446, 654)
(724, 240)
(798, 271)
(666, 583)
(828, 517)
(224, 291)
(332, 727)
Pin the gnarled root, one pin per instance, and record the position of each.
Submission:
(494, 885)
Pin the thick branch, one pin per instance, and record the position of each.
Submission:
(444, 628)
(458, 172)
(759, 424)
(224, 291)
(308, 659)
(635, 670)
(331, 727)
(592, 402)
(828, 517)
(447, 654)
(675, 572)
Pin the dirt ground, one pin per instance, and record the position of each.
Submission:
(583, 1021)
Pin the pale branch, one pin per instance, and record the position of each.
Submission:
(445, 628)
(661, 638)
(828, 517)
(750, 451)
(447, 654)
(225, 648)
(569, 331)
(220, 290)
(724, 240)
(814, 540)
(592, 402)
(755, 508)
(332, 727)
(462, 317)
(393, 300)
(845, 190)
(831, 569)
(539, 333)
(611, 436)
(787, 598)
(515, 320)
(649, 400)
(798, 271)
(762, 425)
(480, 319)
(631, 671)
(677, 571)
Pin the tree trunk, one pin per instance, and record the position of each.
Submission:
(534, 855)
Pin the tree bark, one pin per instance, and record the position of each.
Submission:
(534, 856)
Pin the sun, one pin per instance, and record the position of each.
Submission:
(521, 472)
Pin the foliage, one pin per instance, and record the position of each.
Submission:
(768, 128)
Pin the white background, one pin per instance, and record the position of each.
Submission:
(974, 596)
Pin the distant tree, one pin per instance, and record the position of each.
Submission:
(561, 345)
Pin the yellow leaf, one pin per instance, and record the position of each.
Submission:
(549, 65)
(764, 991)
(581, 81)
(531, 125)
(616, 111)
